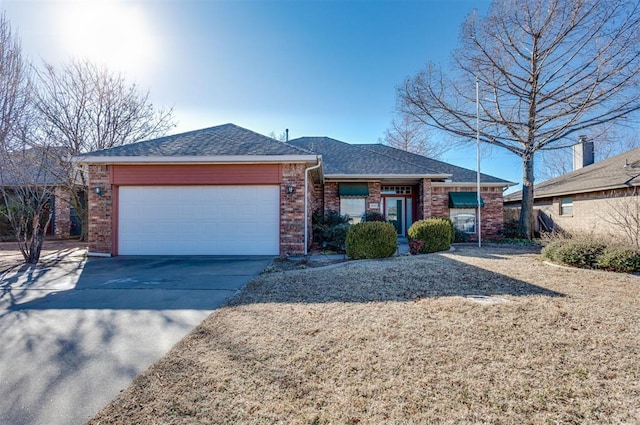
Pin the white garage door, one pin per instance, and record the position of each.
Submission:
(199, 220)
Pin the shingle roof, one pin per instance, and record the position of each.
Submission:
(222, 140)
(616, 172)
(458, 174)
(342, 158)
(34, 166)
(339, 158)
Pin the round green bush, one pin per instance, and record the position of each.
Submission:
(619, 259)
(371, 239)
(450, 224)
(436, 234)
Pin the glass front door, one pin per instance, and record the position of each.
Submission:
(394, 211)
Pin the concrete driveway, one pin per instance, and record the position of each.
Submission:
(75, 332)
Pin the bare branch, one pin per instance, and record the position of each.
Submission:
(548, 70)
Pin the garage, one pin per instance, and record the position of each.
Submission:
(199, 220)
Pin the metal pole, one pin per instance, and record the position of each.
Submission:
(478, 160)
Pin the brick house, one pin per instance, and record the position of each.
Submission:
(64, 220)
(585, 200)
(226, 190)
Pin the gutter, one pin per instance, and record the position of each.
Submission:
(356, 177)
(306, 203)
(537, 195)
(194, 159)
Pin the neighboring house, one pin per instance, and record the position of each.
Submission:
(64, 220)
(586, 199)
(227, 190)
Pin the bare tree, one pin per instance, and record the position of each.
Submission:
(547, 71)
(410, 135)
(85, 107)
(283, 137)
(24, 189)
(623, 214)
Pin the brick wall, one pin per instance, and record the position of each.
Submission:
(100, 210)
(331, 197)
(292, 210)
(374, 197)
(424, 200)
(491, 215)
(62, 223)
(593, 212)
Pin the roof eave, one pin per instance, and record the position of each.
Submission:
(384, 176)
(473, 184)
(575, 192)
(217, 159)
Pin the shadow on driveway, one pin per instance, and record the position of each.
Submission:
(131, 283)
(77, 331)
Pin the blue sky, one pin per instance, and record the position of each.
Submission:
(318, 68)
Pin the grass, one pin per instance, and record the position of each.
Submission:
(401, 341)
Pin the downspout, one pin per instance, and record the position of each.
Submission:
(306, 202)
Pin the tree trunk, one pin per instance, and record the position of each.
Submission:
(31, 244)
(526, 208)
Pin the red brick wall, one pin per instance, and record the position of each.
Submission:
(374, 197)
(62, 224)
(100, 210)
(491, 215)
(292, 210)
(331, 197)
(318, 196)
(424, 200)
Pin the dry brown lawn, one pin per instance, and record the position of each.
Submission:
(403, 341)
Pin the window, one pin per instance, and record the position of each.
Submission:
(395, 190)
(353, 207)
(464, 219)
(566, 206)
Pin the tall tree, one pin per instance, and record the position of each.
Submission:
(24, 183)
(86, 107)
(409, 135)
(547, 71)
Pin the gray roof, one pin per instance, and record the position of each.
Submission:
(34, 166)
(619, 171)
(458, 174)
(222, 140)
(342, 158)
(339, 158)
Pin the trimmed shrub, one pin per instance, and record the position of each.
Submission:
(450, 223)
(334, 236)
(330, 229)
(550, 251)
(619, 259)
(371, 239)
(436, 234)
(582, 254)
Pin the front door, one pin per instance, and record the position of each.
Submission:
(394, 212)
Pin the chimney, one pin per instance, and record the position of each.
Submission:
(583, 153)
(286, 137)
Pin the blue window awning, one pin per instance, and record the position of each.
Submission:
(464, 200)
(353, 189)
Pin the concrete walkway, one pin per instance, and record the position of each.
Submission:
(76, 332)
